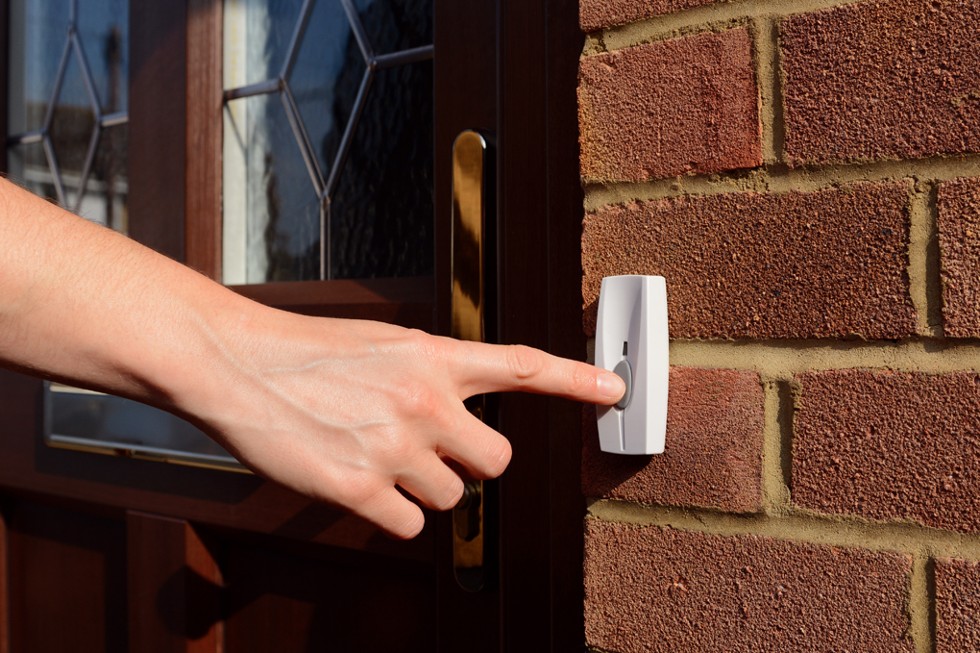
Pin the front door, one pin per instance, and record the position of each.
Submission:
(118, 553)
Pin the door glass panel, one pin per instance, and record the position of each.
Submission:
(102, 28)
(347, 116)
(29, 167)
(395, 25)
(280, 204)
(68, 68)
(325, 79)
(73, 125)
(257, 38)
(100, 423)
(39, 32)
(105, 195)
(386, 183)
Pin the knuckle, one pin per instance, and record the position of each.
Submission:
(419, 400)
(423, 344)
(357, 491)
(524, 361)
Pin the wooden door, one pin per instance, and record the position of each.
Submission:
(111, 553)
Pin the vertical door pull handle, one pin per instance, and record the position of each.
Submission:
(468, 323)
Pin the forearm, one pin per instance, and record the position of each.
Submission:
(83, 304)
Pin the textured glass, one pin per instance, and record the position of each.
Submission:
(381, 216)
(29, 168)
(328, 71)
(103, 27)
(257, 38)
(393, 25)
(282, 209)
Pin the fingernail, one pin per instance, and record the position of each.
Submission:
(610, 386)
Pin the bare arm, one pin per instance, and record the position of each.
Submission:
(340, 410)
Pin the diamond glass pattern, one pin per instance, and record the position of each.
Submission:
(378, 222)
(68, 69)
(72, 128)
(325, 79)
(356, 87)
(282, 206)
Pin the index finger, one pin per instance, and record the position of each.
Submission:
(479, 368)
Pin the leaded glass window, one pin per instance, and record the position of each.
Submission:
(66, 131)
(327, 139)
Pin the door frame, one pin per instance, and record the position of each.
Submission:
(540, 210)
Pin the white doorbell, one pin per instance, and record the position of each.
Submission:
(632, 341)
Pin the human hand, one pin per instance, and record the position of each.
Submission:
(344, 410)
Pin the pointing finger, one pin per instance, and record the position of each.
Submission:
(481, 368)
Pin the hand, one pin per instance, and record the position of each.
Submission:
(345, 410)
(341, 410)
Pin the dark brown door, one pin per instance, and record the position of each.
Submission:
(109, 553)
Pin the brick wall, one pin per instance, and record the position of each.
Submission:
(806, 175)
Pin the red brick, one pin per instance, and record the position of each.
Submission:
(826, 264)
(891, 79)
(671, 108)
(713, 457)
(596, 14)
(957, 606)
(959, 244)
(889, 446)
(653, 589)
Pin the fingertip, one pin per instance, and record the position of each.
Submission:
(610, 388)
(499, 458)
(412, 526)
(394, 514)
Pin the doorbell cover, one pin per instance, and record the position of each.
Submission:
(632, 340)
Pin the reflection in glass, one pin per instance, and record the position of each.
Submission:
(257, 36)
(73, 126)
(347, 116)
(103, 30)
(278, 203)
(67, 99)
(80, 419)
(324, 79)
(38, 32)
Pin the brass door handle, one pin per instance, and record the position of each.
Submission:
(468, 314)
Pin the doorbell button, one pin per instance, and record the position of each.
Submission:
(623, 371)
